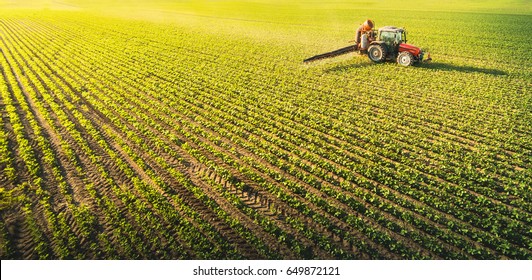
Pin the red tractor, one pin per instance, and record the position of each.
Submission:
(389, 43)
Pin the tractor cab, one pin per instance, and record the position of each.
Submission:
(391, 36)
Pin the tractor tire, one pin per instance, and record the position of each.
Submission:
(377, 53)
(405, 59)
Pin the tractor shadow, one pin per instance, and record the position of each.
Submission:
(348, 67)
(431, 65)
(463, 69)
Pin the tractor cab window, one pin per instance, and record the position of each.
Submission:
(403, 36)
(391, 37)
(387, 36)
(398, 37)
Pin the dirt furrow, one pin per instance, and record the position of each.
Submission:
(106, 191)
(144, 176)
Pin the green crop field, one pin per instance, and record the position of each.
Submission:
(193, 130)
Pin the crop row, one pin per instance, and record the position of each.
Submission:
(205, 132)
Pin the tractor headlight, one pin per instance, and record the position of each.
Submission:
(425, 54)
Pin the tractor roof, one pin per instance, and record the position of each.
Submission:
(391, 29)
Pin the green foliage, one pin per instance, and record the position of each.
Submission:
(198, 133)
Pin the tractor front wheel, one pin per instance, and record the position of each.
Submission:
(405, 59)
(377, 53)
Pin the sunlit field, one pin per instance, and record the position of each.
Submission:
(193, 130)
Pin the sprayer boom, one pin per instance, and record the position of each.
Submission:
(338, 52)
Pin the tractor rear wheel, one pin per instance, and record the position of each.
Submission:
(377, 53)
(405, 59)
